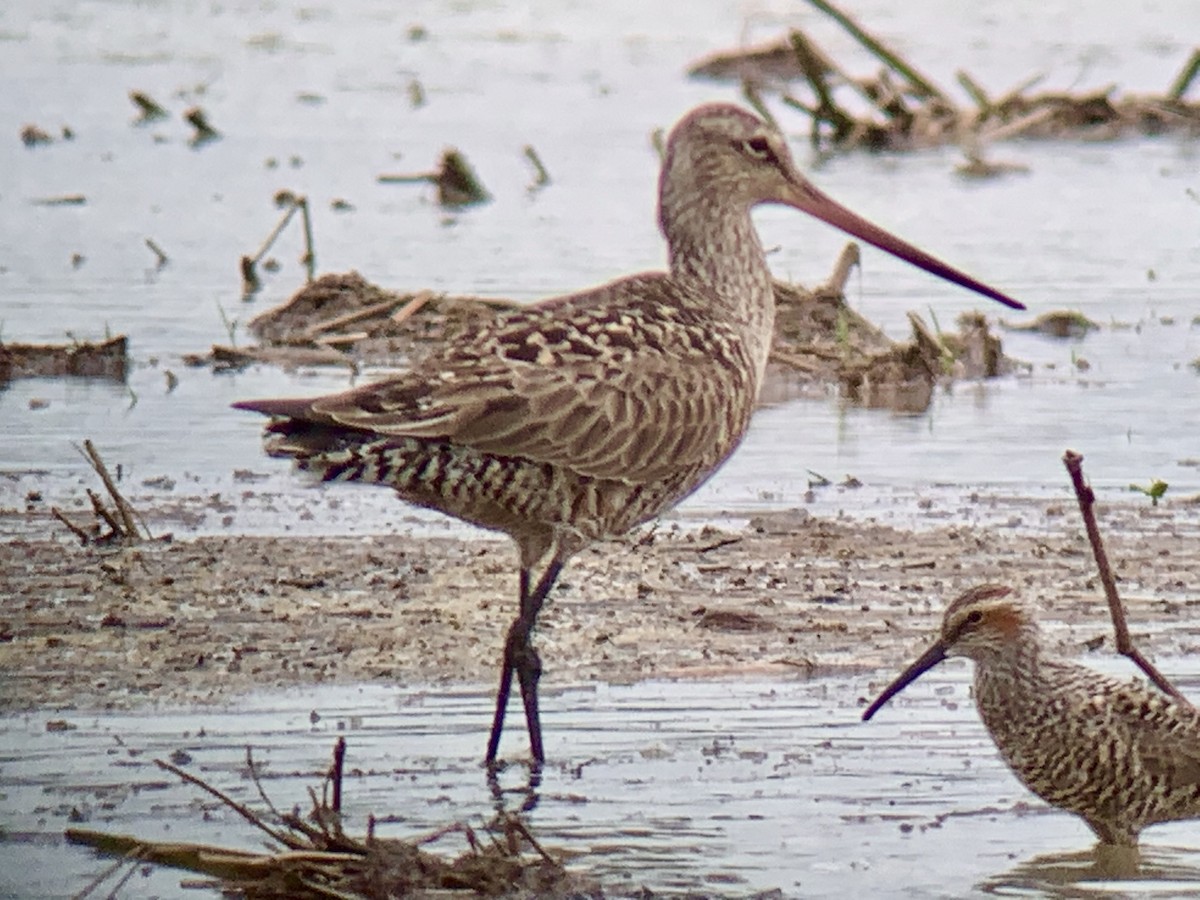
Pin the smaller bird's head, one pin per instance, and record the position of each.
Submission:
(984, 623)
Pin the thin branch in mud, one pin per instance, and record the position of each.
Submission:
(244, 811)
(123, 522)
(123, 507)
(82, 534)
(101, 512)
(1125, 646)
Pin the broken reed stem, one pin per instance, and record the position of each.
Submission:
(977, 93)
(1087, 499)
(847, 261)
(1185, 78)
(275, 232)
(310, 253)
(160, 256)
(541, 177)
(339, 762)
(922, 85)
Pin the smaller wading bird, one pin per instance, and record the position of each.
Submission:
(577, 418)
(1118, 754)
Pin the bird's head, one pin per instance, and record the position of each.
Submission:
(984, 624)
(721, 160)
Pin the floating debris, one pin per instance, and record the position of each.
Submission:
(160, 255)
(316, 858)
(290, 202)
(62, 200)
(33, 136)
(541, 177)
(457, 184)
(344, 320)
(106, 359)
(908, 110)
(416, 94)
(148, 109)
(198, 119)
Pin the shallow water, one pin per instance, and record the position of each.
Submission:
(721, 787)
(718, 787)
(1084, 230)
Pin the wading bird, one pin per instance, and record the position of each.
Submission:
(582, 416)
(1118, 754)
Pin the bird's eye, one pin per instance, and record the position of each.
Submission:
(974, 617)
(758, 148)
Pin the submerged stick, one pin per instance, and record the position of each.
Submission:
(1125, 646)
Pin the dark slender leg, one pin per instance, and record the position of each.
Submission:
(506, 677)
(520, 658)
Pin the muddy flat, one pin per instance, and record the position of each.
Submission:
(204, 619)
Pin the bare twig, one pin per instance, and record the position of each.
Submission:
(1087, 499)
(244, 811)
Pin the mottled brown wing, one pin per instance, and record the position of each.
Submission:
(1168, 741)
(606, 395)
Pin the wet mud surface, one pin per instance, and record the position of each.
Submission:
(207, 618)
